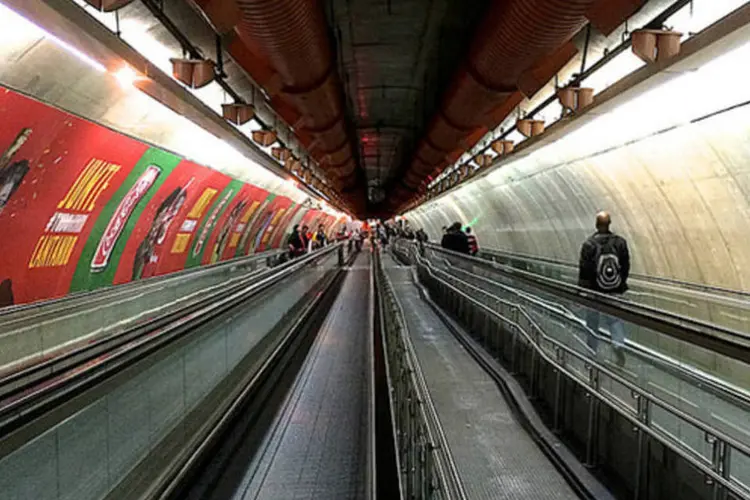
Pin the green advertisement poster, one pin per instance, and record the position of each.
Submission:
(200, 242)
(101, 255)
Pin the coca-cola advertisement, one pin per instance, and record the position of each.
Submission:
(87, 207)
(122, 214)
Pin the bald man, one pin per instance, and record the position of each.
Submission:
(604, 267)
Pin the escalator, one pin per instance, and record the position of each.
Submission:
(496, 451)
(674, 409)
(318, 442)
(141, 412)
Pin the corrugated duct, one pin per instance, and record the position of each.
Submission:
(514, 36)
(292, 35)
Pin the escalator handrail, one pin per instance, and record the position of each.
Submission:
(446, 467)
(718, 387)
(137, 285)
(619, 407)
(87, 371)
(661, 280)
(183, 470)
(726, 341)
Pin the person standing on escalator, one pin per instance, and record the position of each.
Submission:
(455, 239)
(296, 243)
(604, 267)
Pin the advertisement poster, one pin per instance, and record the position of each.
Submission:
(209, 222)
(158, 244)
(87, 207)
(221, 236)
(57, 173)
(284, 227)
(257, 225)
(281, 206)
(101, 255)
(228, 239)
(248, 223)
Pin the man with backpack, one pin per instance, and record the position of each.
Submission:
(604, 267)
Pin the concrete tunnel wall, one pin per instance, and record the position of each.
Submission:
(681, 197)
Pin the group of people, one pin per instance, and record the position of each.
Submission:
(302, 241)
(459, 240)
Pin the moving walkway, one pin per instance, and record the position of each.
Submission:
(695, 416)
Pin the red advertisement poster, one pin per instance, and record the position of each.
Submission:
(282, 205)
(57, 171)
(161, 238)
(250, 224)
(225, 228)
(227, 245)
(251, 239)
(121, 216)
(284, 226)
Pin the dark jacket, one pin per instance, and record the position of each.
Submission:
(589, 274)
(296, 243)
(456, 241)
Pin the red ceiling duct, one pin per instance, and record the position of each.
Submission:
(339, 156)
(291, 35)
(444, 132)
(429, 154)
(513, 37)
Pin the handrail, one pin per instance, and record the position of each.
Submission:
(202, 448)
(410, 399)
(717, 387)
(371, 492)
(728, 342)
(142, 283)
(718, 470)
(534, 259)
(25, 400)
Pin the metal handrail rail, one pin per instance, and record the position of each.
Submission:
(726, 341)
(534, 259)
(723, 444)
(425, 450)
(717, 386)
(184, 470)
(137, 343)
(107, 291)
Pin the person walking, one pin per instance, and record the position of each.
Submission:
(604, 267)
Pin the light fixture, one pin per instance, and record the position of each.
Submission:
(12, 25)
(126, 76)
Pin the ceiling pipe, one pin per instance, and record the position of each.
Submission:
(291, 35)
(513, 37)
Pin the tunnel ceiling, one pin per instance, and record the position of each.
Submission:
(394, 58)
(383, 93)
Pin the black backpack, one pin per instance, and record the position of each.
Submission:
(607, 264)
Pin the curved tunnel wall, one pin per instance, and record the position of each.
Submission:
(681, 197)
(82, 207)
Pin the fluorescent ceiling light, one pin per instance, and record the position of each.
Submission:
(16, 23)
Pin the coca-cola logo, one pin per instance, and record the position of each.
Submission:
(120, 217)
